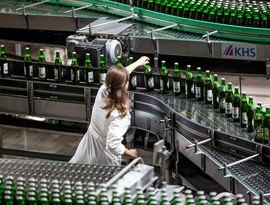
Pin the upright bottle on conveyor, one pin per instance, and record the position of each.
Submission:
(164, 79)
(250, 115)
(28, 64)
(228, 100)
(236, 105)
(215, 91)
(42, 68)
(58, 67)
(75, 73)
(258, 120)
(199, 85)
(102, 70)
(88, 70)
(266, 126)
(132, 76)
(208, 95)
(243, 111)
(189, 85)
(221, 96)
(176, 80)
(4, 68)
(148, 78)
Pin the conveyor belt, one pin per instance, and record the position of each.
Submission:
(170, 41)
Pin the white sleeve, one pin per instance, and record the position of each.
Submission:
(117, 128)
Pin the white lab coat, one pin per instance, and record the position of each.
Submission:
(101, 144)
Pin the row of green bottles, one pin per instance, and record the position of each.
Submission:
(58, 68)
(236, 13)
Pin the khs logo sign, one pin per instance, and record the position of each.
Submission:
(239, 51)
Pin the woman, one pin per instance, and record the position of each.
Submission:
(110, 120)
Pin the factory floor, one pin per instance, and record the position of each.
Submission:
(65, 143)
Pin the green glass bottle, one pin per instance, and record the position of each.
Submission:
(215, 91)
(74, 70)
(57, 67)
(208, 95)
(232, 19)
(88, 70)
(28, 65)
(228, 100)
(132, 76)
(164, 79)
(236, 105)
(102, 70)
(32, 201)
(244, 110)
(248, 18)
(189, 85)
(239, 17)
(4, 68)
(266, 126)
(42, 69)
(199, 85)
(176, 80)
(119, 63)
(148, 78)
(258, 132)
(250, 115)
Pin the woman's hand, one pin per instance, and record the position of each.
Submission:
(131, 153)
(142, 61)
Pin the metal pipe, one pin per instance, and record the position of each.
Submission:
(198, 143)
(209, 34)
(239, 161)
(77, 9)
(35, 4)
(163, 28)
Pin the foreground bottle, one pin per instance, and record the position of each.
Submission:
(42, 70)
(4, 62)
(57, 67)
(28, 65)
(88, 70)
(164, 80)
(176, 80)
(148, 78)
(102, 70)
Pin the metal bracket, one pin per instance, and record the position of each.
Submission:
(207, 36)
(226, 166)
(87, 99)
(30, 94)
(267, 67)
(196, 145)
(155, 41)
(208, 41)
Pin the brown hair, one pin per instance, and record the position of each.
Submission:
(116, 79)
